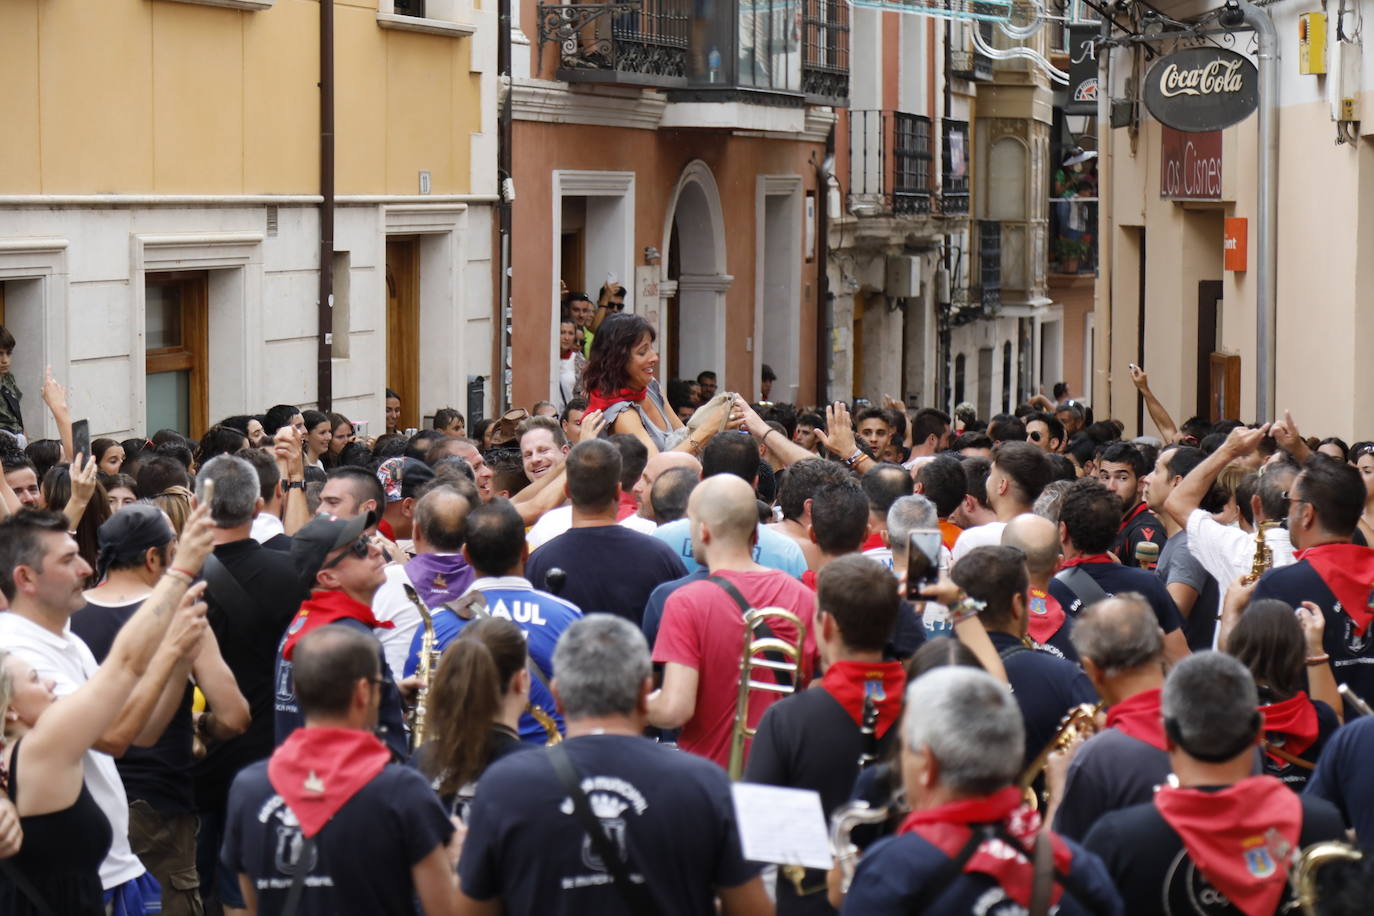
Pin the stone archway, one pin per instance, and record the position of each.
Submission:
(694, 253)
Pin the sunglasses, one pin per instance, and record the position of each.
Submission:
(1034, 437)
(358, 548)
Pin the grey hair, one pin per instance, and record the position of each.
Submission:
(1118, 634)
(237, 490)
(967, 720)
(6, 684)
(1209, 700)
(1050, 499)
(599, 667)
(907, 514)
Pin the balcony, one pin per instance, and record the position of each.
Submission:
(990, 264)
(1073, 231)
(954, 146)
(772, 52)
(891, 160)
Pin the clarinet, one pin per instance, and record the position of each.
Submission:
(554, 581)
(869, 729)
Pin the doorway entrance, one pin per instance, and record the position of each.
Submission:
(694, 236)
(403, 326)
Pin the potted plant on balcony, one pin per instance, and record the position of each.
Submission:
(1072, 252)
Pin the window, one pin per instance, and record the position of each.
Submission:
(410, 8)
(911, 163)
(955, 174)
(175, 340)
(770, 52)
(960, 364)
(343, 304)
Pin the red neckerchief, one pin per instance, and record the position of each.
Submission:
(317, 770)
(1046, 615)
(1239, 838)
(564, 354)
(628, 506)
(850, 683)
(1091, 558)
(1295, 719)
(599, 401)
(809, 579)
(326, 607)
(874, 542)
(1140, 717)
(946, 828)
(1348, 570)
(1130, 516)
(385, 530)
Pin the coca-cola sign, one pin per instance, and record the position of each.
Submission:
(1202, 89)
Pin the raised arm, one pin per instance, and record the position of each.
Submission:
(55, 396)
(286, 447)
(1321, 682)
(1285, 432)
(227, 711)
(1168, 431)
(968, 628)
(838, 437)
(83, 474)
(1191, 491)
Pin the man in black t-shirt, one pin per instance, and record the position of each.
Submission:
(1045, 687)
(370, 835)
(667, 816)
(815, 739)
(1120, 647)
(252, 593)
(155, 763)
(1325, 503)
(1342, 777)
(1121, 468)
(1088, 521)
(1219, 841)
(609, 568)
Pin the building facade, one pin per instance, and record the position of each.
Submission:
(160, 191)
(678, 153)
(1166, 298)
(939, 233)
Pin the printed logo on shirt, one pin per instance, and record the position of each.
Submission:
(519, 611)
(1186, 891)
(1355, 643)
(610, 798)
(1258, 862)
(286, 858)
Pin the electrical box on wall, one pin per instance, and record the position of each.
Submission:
(1312, 43)
(903, 280)
(1343, 81)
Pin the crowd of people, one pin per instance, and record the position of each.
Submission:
(1026, 664)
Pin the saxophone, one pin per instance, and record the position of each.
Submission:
(842, 823)
(1078, 722)
(429, 663)
(1264, 554)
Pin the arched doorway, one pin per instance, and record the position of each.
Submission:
(692, 326)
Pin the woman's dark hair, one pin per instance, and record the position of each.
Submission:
(115, 481)
(219, 440)
(474, 676)
(134, 447)
(314, 418)
(354, 454)
(100, 446)
(1339, 443)
(479, 431)
(1268, 640)
(238, 421)
(278, 416)
(607, 365)
(57, 491)
(45, 454)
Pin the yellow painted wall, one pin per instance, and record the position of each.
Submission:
(161, 97)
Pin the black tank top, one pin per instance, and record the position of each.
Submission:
(60, 857)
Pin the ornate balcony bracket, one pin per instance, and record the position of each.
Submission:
(563, 23)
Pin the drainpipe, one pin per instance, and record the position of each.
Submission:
(825, 302)
(324, 354)
(1268, 202)
(506, 185)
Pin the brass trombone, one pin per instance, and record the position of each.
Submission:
(770, 652)
(1303, 877)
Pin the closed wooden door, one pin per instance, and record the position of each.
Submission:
(403, 326)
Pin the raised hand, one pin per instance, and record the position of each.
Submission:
(196, 541)
(1243, 441)
(838, 435)
(593, 422)
(1140, 378)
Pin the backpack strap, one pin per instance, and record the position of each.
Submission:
(761, 627)
(1083, 586)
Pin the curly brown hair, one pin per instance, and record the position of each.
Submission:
(607, 366)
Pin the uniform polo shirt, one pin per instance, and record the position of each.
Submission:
(68, 662)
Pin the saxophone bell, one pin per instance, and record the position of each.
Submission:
(1078, 722)
(1264, 554)
(428, 664)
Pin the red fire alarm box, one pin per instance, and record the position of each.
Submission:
(1237, 242)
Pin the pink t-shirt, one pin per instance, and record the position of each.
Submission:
(702, 628)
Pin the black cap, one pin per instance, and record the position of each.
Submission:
(321, 536)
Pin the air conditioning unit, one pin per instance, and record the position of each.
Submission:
(903, 279)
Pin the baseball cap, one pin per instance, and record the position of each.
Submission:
(322, 535)
(402, 478)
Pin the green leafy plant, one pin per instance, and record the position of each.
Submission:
(1074, 249)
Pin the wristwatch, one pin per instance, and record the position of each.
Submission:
(294, 485)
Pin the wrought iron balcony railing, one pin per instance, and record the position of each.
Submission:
(641, 42)
(825, 60)
(891, 157)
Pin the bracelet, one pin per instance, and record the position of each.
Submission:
(763, 440)
(180, 574)
(693, 445)
(965, 608)
(854, 458)
(1318, 659)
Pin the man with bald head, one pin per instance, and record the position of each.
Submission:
(1046, 623)
(1121, 648)
(702, 632)
(656, 466)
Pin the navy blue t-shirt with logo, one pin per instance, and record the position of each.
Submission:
(363, 856)
(1045, 688)
(1113, 578)
(669, 813)
(1342, 777)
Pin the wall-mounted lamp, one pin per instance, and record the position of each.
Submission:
(651, 255)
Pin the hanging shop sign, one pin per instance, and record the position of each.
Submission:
(1189, 165)
(1082, 70)
(1201, 89)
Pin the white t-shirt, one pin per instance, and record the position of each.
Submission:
(1228, 553)
(988, 535)
(390, 603)
(67, 661)
(265, 527)
(556, 521)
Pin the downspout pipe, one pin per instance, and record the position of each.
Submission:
(505, 183)
(325, 345)
(1267, 203)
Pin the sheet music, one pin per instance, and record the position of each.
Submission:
(780, 825)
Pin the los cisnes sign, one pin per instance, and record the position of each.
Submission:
(1200, 89)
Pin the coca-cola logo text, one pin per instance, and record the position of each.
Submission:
(1216, 77)
(1202, 89)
